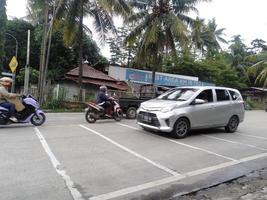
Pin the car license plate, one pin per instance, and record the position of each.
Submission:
(147, 118)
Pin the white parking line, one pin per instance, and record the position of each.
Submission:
(128, 126)
(183, 144)
(56, 164)
(253, 136)
(201, 149)
(160, 182)
(234, 142)
(132, 152)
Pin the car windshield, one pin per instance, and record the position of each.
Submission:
(182, 94)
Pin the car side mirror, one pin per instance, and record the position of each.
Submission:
(198, 101)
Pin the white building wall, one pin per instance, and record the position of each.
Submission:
(120, 74)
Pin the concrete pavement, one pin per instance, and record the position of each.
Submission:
(68, 158)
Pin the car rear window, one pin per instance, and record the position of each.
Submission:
(222, 95)
(234, 95)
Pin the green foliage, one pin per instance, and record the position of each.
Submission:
(3, 20)
(19, 29)
(62, 58)
(33, 76)
(255, 105)
(56, 103)
(216, 70)
(120, 53)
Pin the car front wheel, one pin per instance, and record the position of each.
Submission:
(181, 128)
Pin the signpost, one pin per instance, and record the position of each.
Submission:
(13, 66)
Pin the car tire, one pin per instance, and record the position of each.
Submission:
(232, 125)
(131, 113)
(181, 128)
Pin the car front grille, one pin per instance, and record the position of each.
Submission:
(148, 118)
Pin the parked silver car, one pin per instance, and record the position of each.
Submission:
(181, 109)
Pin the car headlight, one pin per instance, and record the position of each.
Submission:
(167, 109)
(141, 107)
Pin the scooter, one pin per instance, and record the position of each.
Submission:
(30, 114)
(95, 112)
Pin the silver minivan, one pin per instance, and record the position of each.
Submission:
(179, 110)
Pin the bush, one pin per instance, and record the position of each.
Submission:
(255, 105)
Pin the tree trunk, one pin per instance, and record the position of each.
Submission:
(43, 57)
(80, 54)
(153, 74)
(44, 91)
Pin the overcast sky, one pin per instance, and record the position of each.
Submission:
(245, 17)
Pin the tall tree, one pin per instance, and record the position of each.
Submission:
(18, 29)
(45, 12)
(258, 45)
(238, 51)
(197, 36)
(101, 12)
(3, 21)
(257, 73)
(161, 26)
(215, 36)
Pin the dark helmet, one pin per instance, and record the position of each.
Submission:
(103, 88)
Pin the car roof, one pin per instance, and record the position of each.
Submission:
(207, 87)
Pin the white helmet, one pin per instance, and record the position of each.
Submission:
(6, 81)
(103, 88)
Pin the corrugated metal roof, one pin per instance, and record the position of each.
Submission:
(261, 89)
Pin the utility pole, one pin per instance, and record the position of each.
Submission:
(27, 67)
(16, 55)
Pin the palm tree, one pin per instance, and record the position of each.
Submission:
(206, 37)
(70, 14)
(215, 36)
(258, 71)
(44, 12)
(161, 27)
(100, 11)
(198, 36)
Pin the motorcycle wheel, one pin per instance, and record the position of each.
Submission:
(118, 115)
(90, 116)
(38, 120)
(3, 120)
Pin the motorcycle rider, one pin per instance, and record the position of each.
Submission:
(6, 83)
(102, 98)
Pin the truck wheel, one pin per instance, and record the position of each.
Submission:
(131, 113)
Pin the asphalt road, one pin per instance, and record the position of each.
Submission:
(67, 158)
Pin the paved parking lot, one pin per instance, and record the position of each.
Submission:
(68, 158)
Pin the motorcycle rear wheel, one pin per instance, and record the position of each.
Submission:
(90, 116)
(118, 115)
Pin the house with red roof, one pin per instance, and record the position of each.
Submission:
(92, 79)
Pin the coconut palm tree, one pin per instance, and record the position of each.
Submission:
(100, 11)
(44, 13)
(215, 37)
(258, 71)
(161, 27)
(197, 36)
(70, 14)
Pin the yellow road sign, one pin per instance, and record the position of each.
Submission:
(13, 64)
